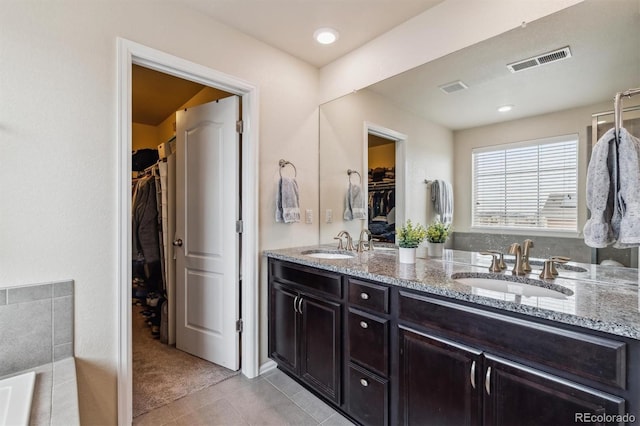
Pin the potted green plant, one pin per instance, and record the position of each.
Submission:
(409, 238)
(437, 234)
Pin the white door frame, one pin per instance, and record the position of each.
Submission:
(401, 167)
(130, 53)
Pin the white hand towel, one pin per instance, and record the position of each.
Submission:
(287, 202)
(355, 207)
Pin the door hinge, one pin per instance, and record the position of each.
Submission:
(239, 226)
(239, 326)
(239, 126)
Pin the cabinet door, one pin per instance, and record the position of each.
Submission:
(439, 381)
(321, 349)
(283, 327)
(516, 394)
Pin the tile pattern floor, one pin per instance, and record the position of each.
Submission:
(271, 399)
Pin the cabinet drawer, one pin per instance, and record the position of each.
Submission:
(369, 341)
(581, 354)
(326, 283)
(370, 296)
(368, 400)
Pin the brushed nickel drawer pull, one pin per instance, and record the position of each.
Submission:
(487, 381)
(364, 296)
(473, 374)
(364, 382)
(364, 324)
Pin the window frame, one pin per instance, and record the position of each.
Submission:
(528, 230)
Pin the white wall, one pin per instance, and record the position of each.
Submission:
(58, 147)
(443, 29)
(429, 153)
(555, 124)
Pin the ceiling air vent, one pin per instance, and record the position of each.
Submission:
(536, 61)
(454, 86)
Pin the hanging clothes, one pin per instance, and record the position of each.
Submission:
(144, 221)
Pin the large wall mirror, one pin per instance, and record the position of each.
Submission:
(423, 125)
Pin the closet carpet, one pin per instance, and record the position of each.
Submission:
(162, 373)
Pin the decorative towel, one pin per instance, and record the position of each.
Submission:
(613, 179)
(442, 198)
(355, 207)
(287, 202)
(629, 185)
(602, 192)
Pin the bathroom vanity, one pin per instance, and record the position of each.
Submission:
(389, 343)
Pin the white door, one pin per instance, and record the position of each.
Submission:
(207, 255)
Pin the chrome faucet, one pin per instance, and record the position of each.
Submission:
(349, 241)
(517, 267)
(361, 242)
(526, 246)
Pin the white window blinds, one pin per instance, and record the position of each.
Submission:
(527, 185)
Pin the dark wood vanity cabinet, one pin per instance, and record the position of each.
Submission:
(438, 381)
(516, 394)
(450, 373)
(368, 352)
(385, 355)
(305, 326)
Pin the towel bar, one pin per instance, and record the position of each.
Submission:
(283, 163)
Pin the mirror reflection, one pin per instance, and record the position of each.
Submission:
(558, 75)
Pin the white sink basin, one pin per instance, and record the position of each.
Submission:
(521, 289)
(320, 254)
(16, 394)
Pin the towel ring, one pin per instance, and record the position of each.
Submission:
(350, 172)
(283, 163)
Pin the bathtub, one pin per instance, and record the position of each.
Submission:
(16, 394)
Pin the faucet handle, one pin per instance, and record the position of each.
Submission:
(501, 260)
(340, 246)
(557, 259)
(495, 263)
(547, 270)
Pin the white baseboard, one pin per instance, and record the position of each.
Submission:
(268, 366)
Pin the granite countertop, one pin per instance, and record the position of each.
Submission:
(601, 298)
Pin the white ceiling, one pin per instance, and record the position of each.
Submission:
(605, 44)
(289, 24)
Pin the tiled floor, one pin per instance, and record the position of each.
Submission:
(271, 399)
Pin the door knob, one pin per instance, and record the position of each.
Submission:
(177, 243)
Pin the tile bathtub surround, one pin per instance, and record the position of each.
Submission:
(37, 325)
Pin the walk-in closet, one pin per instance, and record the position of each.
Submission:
(161, 373)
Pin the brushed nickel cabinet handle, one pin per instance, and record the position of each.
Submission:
(364, 296)
(364, 324)
(300, 305)
(364, 382)
(487, 381)
(295, 303)
(473, 374)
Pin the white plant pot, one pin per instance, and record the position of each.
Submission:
(435, 249)
(407, 255)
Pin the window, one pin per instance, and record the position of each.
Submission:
(526, 185)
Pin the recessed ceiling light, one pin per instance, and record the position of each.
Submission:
(505, 108)
(326, 35)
